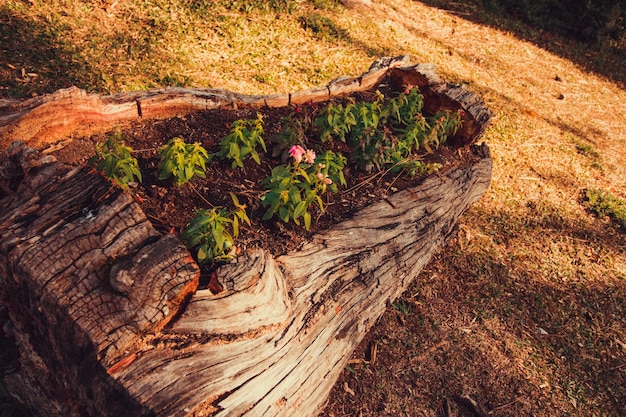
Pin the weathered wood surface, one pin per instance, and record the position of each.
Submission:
(82, 268)
(50, 118)
(328, 295)
(99, 299)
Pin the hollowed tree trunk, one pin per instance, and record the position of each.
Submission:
(106, 311)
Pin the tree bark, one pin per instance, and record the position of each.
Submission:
(109, 320)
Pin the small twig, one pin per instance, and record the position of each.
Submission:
(444, 409)
(193, 187)
(54, 148)
(371, 178)
(429, 351)
(145, 150)
(500, 407)
(373, 350)
(394, 181)
(358, 361)
(617, 368)
(469, 405)
(362, 183)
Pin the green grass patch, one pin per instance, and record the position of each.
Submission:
(325, 4)
(586, 149)
(206, 6)
(590, 152)
(603, 203)
(322, 27)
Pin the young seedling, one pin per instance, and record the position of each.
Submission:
(294, 128)
(335, 121)
(242, 141)
(113, 158)
(212, 232)
(182, 161)
(403, 108)
(386, 134)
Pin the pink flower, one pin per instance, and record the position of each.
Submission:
(309, 156)
(408, 89)
(324, 178)
(297, 151)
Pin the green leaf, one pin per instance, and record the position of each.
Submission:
(320, 203)
(235, 224)
(188, 173)
(273, 207)
(255, 156)
(233, 151)
(201, 254)
(299, 209)
(283, 213)
(304, 175)
(218, 236)
(269, 198)
(294, 195)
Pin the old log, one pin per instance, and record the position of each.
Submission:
(48, 119)
(107, 314)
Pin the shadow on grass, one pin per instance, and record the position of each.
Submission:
(573, 321)
(35, 59)
(324, 28)
(524, 337)
(592, 36)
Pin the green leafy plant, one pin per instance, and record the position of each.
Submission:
(242, 141)
(329, 166)
(182, 161)
(212, 232)
(369, 117)
(403, 108)
(430, 133)
(388, 133)
(401, 306)
(355, 120)
(293, 188)
(414, 167)
(113, 158)
(335, 121)
(603, 203)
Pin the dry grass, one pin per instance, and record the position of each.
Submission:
(524, 311)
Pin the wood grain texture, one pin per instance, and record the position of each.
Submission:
(107, 311)
(84, 273)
